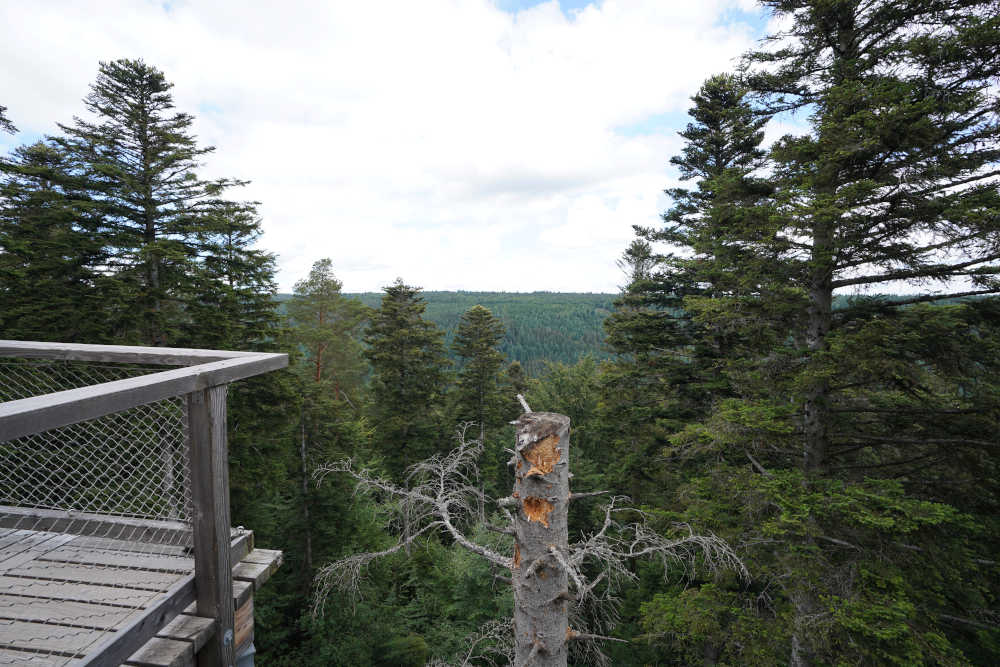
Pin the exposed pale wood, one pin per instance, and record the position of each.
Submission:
(163, 653)
(131, 559)
(58, 590)
(254, 573)
(242, 544)
(185, 627)
(97, 525)
(116, 648)
(45, 637)
(14, 607)
(90, 574)
(209, 472)
(244, 625)
(242, 591)
(167, 356)
(266, 556)
(9, 657)
(40, 413)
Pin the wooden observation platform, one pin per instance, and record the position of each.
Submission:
(115, 538)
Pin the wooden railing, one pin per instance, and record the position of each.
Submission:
(201, 380)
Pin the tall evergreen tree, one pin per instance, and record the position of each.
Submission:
(231, 304)
(327, 324)
(478, 386)
(138, 159)
(854, 417)
(409, 375)
(51, 284)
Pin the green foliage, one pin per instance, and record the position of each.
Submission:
(479, 391)
(409, 369)
(50, 252)
(135, 162)
(539, 327)
(5, 123)
(328, 325)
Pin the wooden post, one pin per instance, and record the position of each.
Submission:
(210, 505)
(541, 583)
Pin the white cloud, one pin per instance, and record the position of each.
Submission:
(444, 141)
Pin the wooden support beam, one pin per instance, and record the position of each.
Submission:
(212, 540)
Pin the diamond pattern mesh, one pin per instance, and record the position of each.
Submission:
(95, 516)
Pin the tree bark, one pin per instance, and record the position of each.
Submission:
(541, 583)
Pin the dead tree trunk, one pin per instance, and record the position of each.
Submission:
(539, 573)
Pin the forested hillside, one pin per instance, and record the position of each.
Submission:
(815, 467)
(540, 326)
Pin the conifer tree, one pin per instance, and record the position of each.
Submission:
(847, 411)
(138, 159)
(5, 123)
(478, 386)
(51, 284)
(409, 374)
(328, 325)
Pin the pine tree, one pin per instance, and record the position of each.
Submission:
(478, 386)
(137, 159)
(327, 324)
(409, 377)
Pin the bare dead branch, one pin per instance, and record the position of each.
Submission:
(524, 403)
(573, 635)
(587, 494)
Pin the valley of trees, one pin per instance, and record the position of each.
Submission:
(752, 380)
(539, 327)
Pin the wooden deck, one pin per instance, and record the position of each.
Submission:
(65, 596)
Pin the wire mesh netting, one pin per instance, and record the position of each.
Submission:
(94, 516)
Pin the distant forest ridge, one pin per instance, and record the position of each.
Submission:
(541, 326)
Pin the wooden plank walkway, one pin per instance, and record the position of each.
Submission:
(62, 594)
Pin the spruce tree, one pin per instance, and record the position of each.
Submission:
(52, 287)
(478, 385)
(846, 422)
(409, 377)
(138, 161)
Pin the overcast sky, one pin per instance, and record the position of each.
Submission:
(458, 144)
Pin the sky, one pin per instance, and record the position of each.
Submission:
(496, 145)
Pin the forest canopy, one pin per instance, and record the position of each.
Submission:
(803, 362)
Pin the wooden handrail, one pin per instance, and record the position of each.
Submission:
(121, 354)
(32, 415)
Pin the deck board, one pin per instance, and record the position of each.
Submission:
(130, 559)
(10, 657)
(34, 552)
(62, 596)
(46, 637)
(112, 577)
(13, 607)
